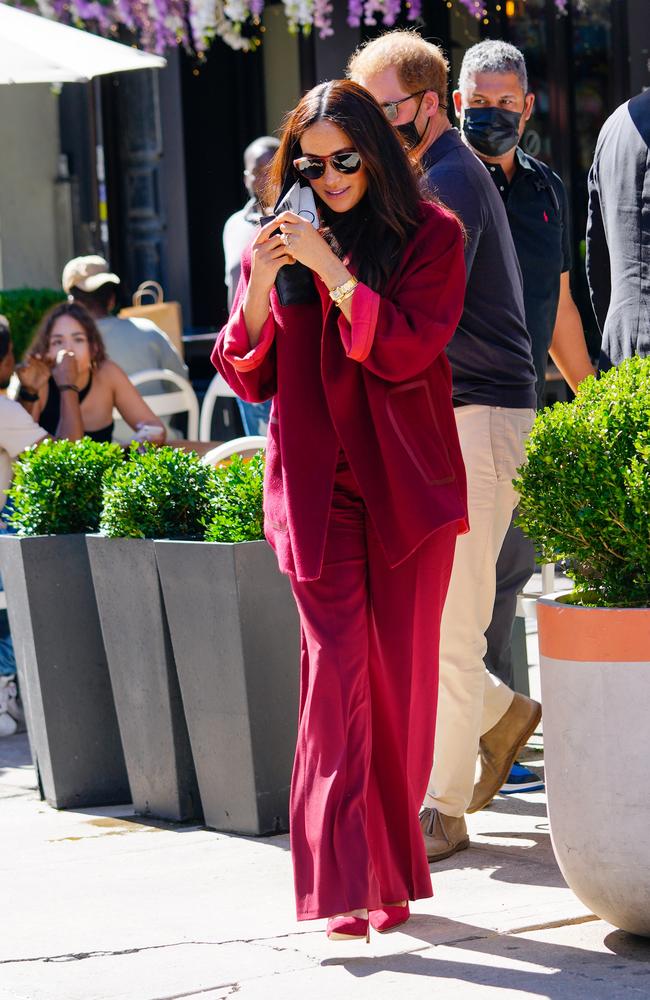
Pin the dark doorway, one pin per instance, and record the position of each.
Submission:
(223, 111)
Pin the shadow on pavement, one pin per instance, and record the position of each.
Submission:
(562, 971)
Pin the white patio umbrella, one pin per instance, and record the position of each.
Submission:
(35, 49)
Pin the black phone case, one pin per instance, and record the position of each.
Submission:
(295, 286)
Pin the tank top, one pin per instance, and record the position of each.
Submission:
(49, 418)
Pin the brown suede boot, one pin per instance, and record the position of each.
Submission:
(498, 748)
(443, 835)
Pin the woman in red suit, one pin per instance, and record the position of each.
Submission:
(364, 492)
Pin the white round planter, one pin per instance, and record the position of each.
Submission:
(595, 674)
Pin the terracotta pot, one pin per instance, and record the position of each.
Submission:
(595, 673)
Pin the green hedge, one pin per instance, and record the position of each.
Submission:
(158, 493)
(585, 491)
(63, 487)
(237, 514)
(24, 308)
(57, 486)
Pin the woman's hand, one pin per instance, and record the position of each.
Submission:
(34, 372)
(306, 245)
(154, 433)
(65, 370)
(268, 255)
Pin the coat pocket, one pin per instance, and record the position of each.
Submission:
(413, 417)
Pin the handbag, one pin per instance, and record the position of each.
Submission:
(167, 315)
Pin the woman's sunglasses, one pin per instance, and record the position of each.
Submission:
(313, 167)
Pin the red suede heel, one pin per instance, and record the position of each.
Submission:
(345, 928)
(389, 917)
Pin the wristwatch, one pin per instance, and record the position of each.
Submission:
(344, 291)
(27, 395)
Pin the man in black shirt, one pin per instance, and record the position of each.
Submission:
(494, 398)
(494, 104)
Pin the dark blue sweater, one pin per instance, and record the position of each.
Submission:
(490, 353)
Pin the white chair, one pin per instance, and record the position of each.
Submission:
(238, 446)
(218, 387)
(166, 404)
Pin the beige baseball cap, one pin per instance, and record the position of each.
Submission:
(88, 274)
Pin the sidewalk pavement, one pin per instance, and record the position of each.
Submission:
(99, 904)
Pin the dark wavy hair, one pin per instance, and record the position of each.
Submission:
(375, 232)
(41, 342)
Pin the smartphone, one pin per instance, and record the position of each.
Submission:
(294, 282)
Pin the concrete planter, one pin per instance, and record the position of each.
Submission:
(143, 676)
(62, 671)
(595, 671)
(236, 637)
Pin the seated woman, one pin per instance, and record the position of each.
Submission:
(100, 384)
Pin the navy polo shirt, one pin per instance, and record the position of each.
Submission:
(490, 352)
(538, 212)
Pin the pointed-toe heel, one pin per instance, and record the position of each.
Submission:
(346, 928)
(389, 917)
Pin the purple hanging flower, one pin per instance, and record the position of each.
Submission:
(355, 13)
(414, 12)
(392, 9)
(323, 11)
(370, 10)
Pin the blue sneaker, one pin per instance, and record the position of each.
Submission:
(521, 779)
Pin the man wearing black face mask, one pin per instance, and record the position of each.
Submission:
(494, 104)
(494, 401)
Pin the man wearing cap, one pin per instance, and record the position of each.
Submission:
(134, 344)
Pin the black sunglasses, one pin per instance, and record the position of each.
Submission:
(313, 167)
(391, 108)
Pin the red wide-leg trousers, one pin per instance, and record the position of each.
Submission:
(369, 685)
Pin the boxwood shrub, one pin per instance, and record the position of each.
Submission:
(158, 493)
(57, 486)
(237, 505)
(585, 490)
(24, 308)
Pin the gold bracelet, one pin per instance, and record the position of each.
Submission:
(344, 291)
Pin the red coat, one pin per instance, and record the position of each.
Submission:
(379, 388)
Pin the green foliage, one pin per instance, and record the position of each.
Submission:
(57, 486)
(158, 493)
(585, 491)
(237, 507)
(24, 308)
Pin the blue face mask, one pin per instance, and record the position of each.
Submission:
(491, 131)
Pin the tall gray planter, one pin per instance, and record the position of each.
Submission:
(235, 632)
(143, 675)
(62, 670)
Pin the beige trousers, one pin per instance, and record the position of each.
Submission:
(471, 700)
